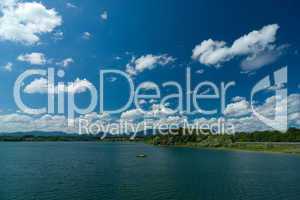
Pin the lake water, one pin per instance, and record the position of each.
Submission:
(96, 171)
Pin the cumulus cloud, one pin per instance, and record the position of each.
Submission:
(160, 111)
(258, 47)
(132, 115)
(294, 119)
(240, 114)
(238, 98)
(11, 118)
(142, 102)
(7, 3)
(268, 108)
(94, 117)
(238, 108)
(18, 122)
(261, 59)
(148, 85)
(37, 86)
(86, 35)
(159, 116)
(251, 123)
(33, 58)
(66, 62)
(241, 107)
(200, 71)
(157, 111)
(104, 15)
(58, 35)
(42, 86)
(24, 22)
(70, 5)
(8, 67)
(276, 87)
(118, 58)
(147, 62)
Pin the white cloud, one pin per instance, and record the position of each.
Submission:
(172, 121)
(78, 86)
(37, 86)
(33, 58)
(94, 117)
(277, 87)
(130, 70)
(7, 3)
(254, 46)
(238, 98)
(148, 85)
(8, 67)
(155, 101)
(159, 116)
(241, 107)
(70, 5)
(104, 15)
(160, 111)
(132, 115)
(66, 62)
(268, 108)
(238, 109)
(25, 21)
(10, 118)
(86, 35)
(58, 35)
(157, 111)
(142, 102)
(200, 71)
(251, 123)
(261, 59)
(240, 113)
(147, 62)
(294, 119)
(19, 122)
(41, 86)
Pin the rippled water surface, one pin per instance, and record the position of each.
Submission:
(96, 171)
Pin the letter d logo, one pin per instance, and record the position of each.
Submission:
(280, 122)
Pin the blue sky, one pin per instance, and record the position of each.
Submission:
(221, 41)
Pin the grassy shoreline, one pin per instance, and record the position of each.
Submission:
(287, 149)
(281, 148)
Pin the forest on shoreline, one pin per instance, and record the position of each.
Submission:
(269, 141)
(274, 141)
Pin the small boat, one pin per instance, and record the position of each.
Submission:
(141, 156)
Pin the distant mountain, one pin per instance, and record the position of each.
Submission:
(36, 133)
(57, 133)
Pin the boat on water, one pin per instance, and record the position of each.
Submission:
(141, 156)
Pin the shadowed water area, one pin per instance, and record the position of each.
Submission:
(93, 171)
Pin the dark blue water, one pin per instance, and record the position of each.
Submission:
(96, 171)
